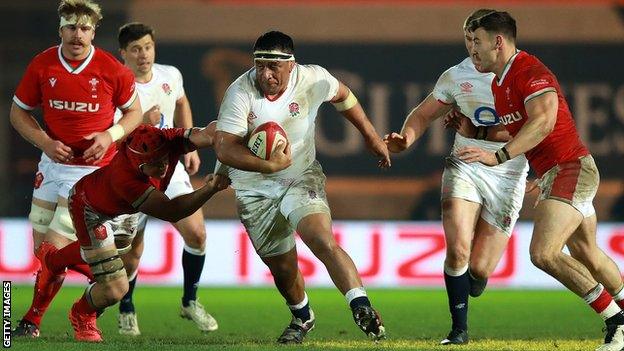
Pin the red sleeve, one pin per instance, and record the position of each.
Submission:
(125, 92)
(534, 82)
(28, 93)
(135, 192)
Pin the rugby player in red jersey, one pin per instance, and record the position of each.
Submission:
(105, 206)
(530, 103)
(78, 87)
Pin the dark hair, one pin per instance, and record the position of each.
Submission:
(499, 22)
(476, 14)
(133, 31)
(275, 40)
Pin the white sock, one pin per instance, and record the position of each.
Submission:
(455, 272)
(301, 304)
(354, 293)
(193, 251)
(612, 308)
(620, 295)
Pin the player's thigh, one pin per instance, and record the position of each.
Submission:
(40, 216)
(306, 207)
(459, 219)
(269, 231)
(461, 202)
(566, 194)
(61, 231)
(555, 221)
(488, 246)
(316, 232)
(582, 242)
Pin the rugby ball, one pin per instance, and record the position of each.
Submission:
(265, 138)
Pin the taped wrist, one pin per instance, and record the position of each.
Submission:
(502, 155)
(481, 133)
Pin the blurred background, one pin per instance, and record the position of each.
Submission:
(389, 52)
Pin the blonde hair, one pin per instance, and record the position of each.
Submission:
(80, 8)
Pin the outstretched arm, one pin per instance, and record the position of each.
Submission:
(416, 123)
(160, 206)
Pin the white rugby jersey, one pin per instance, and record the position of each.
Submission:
(244, 107)
(164, 89)
(471, 91)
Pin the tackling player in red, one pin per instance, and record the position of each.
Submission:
(104, 207)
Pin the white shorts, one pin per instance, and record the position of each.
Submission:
(500, 194)
(271, 213)
(180, 184)
(56, 179)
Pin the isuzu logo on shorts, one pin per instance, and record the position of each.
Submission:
(74, 106)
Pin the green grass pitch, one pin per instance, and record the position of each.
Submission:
(252, 318)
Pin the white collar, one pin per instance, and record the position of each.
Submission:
(81, 67)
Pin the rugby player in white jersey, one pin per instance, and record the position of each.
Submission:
(480, 204)
(165, 105)
(285, 193)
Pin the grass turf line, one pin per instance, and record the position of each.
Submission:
(251, 319)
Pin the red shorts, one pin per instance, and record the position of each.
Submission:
(575, 182)
(95, 230)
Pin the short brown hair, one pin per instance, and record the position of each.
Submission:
(499, 22)
(80, 8)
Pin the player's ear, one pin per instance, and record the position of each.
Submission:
(498, 42)
(291, 65)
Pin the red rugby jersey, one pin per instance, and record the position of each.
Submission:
(119, 188)
(524, 78)
(76, 101)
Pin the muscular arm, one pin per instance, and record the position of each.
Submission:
(232, 151)
(28, 127)
(358, 118)
(541, 119)
(203, 137)
(160, 206)
(421, 117)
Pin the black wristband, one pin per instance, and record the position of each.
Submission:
(502, 155)
(481, 133)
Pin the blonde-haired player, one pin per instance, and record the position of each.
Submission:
(78, 87)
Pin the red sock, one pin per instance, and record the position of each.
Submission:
(65, 257)
(83, 307)
(42, 296)
(83, 269)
